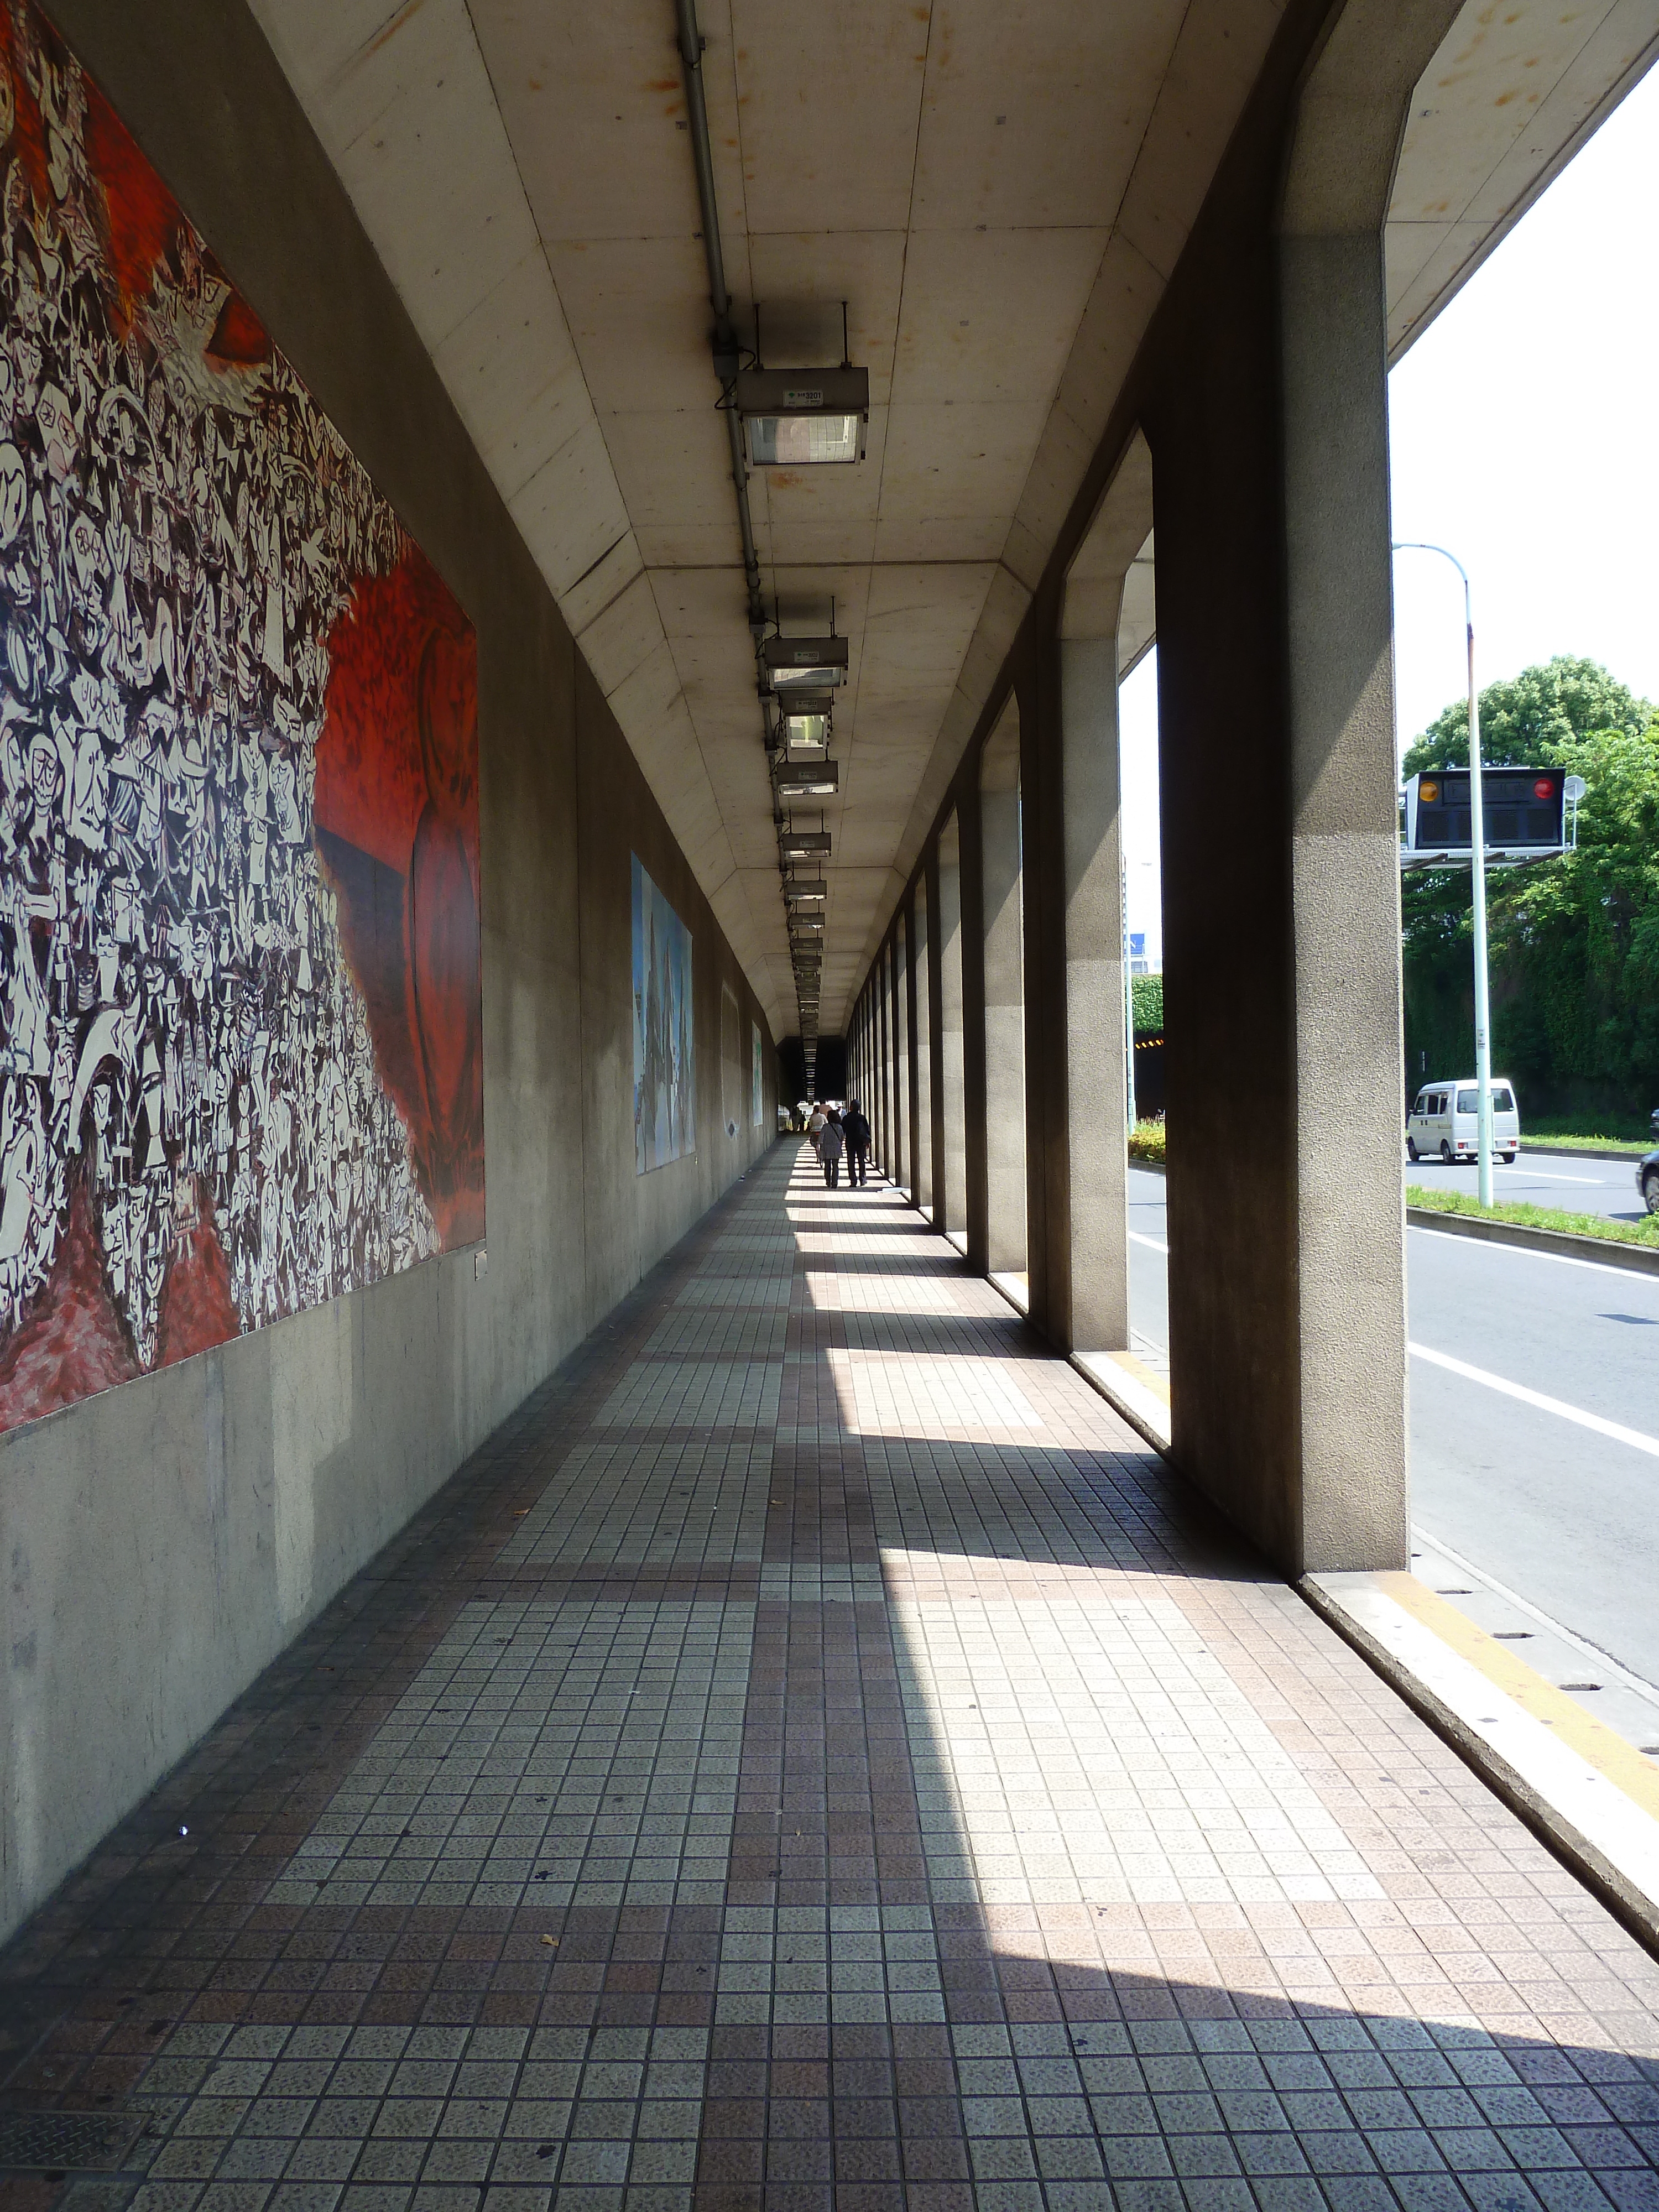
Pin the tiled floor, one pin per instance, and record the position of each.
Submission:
(813, 1757)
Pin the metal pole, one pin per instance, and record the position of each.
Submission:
(1478, 860)
(1128, 1000)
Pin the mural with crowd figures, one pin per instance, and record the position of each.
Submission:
(240, 1006)
(665, 1030)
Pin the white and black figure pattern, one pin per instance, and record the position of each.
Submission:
(181, 1039)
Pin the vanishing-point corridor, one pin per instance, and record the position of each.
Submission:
(814, 1748)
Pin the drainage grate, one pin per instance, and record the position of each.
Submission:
(93, 2142)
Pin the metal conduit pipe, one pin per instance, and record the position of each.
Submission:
(725, 339)
(726, 350)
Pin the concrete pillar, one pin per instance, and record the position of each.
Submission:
(922, 1100)
(1345, 885)
(882, 1135)
(904, 1170)
(1091, 1312)
(951, 1209)
(1281, 902)
(1004, 955)
(933, 1047)
(970, 862)
(888, 1056)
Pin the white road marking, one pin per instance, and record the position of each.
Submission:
(1616, 1430)
(1542, 1175)
(1151, 1243)
(1526, 1251)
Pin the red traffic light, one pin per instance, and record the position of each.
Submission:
(1544, 788)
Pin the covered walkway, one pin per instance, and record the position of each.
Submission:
(814, 1748)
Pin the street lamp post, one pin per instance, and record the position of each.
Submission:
(1478, 860)
(1128, 1000)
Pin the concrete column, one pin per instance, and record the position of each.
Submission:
(883, 1147)
(1345, 880)
(1091, 1312)
(934, 1048)
(971, 864)
(1004, 958)
(888, 1056)
(902, 1152)
(952, 1210)
(922, 1148)
(1281, 902)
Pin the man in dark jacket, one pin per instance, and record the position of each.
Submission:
(856, 1130)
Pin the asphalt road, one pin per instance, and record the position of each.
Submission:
(1580, 1185)
(1539, 1498)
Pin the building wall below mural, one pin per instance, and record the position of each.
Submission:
(240, 1018)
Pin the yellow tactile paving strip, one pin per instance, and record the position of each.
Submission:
(1594, 1741)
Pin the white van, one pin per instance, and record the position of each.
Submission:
(1445, 1119)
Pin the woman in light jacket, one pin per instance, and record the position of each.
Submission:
(832, 1143)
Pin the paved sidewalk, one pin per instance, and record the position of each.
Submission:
(814, 1756)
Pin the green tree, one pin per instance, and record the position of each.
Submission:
(1146, 995)
(1527, 718)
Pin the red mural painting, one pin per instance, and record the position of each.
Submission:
(397, 791)
(240, 1007)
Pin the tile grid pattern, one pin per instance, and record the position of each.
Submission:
(813, 1761)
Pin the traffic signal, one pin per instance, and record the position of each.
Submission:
(1524, 810)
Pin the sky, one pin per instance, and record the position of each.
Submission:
(1524, 436)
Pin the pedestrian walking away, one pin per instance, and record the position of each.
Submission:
(831, 1142)
(855, 1128)
(815, 1126)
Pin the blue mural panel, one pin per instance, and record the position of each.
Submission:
(665, 1035)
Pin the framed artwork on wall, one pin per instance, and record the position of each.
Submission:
(665, 1030)
(756, 1077)
(240, 993)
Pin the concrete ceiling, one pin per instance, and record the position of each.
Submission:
(1000, 189)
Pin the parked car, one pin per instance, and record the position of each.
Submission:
(1446, 1120)
(1647, 1175)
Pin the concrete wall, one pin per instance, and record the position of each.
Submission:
(163, 1542)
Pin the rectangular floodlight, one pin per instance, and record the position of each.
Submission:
(808, 779)
(796, 418)
(806, 737)
(804, 844)
(795, 664)
(806, 890)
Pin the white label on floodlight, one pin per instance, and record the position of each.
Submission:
(803, 395)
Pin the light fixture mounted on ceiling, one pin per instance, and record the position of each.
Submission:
(810, 780)
(806, 890)
(794, 666)
(804, 726)
(804, 844)
(803, 418)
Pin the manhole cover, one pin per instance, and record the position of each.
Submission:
(96, 2142)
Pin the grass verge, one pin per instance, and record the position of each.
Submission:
(1644, 1232)
(1146, 1141)
(1588, 1135)
(1551, 1140)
